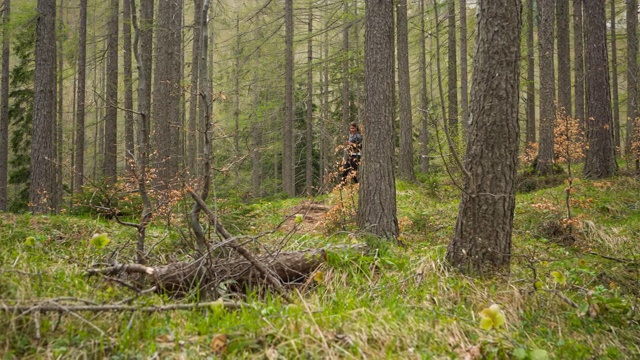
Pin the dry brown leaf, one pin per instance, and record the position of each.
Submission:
(271, 354)
(165, 338)
(219, 343)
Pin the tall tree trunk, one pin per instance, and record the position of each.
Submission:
(309, 132)
(547, 86)
(142, 51)
(405, 168)
(129, 143)
(236, 100)
(78, 171)
(4, 106)
(43, 151)
(377, 199)
(288, 175)
(166, 93)
(564, 57)
(60, 108)
(600, 159)
(205, 89)
(464, 91)
(531, 90)
(324, 149)
(632, 71)
(192, 137)
(452, 71)
(578, 55)
(614, 78)
(424, 97)
(482, 240)
(346, 115)
(256, 175)
(111, 111)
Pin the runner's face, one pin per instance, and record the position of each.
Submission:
(352, 129)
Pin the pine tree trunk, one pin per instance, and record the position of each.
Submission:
(377, 196)
(452, 71)
(78, 172)
(578, 59)
(464, 89)
(482, 240)
(424, 96)
(309, 121)
(614, 77)
(129, 143)
(600, 158)
(111, 106)
(564, 57)
(531, 90)
(632, 71)
(43, 152)
(405, 168)
(4, 107)
(288, 175)
(547, 86)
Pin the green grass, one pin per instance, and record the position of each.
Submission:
(397, 302)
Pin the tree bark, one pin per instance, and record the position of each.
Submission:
(578, 55)
(111, 111)
(482, 240)
(600, 158)
(78, 171)
(377, 200)
(464, 88)
(43, 152)
(129, 143)
(288, 175)
(405, 166)
(531, 89)
(167, 93)
(4, 107)
(632, 71)
(564, 57)
(452, 71)
(309, 121)
(547, 86)
(424, 96)
(614, 78)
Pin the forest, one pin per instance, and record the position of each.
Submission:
(319, 179)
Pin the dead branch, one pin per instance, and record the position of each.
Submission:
(55, 307)
(266, 272)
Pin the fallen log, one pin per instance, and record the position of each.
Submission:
(185, 276)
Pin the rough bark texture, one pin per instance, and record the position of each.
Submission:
(547, 85)
(43, 152)
(346, 115)
(452, 71)
(578, 60)
(424, 96)
(614, 77)
(564, 57)
(4, 108)
(111, 114)
(127, 63)
(600, 159)
(632, 70)
(482, 240)
(81, 95)
(309, 121)
(530, 136)
(405, 165)
(464, 88)
(377, 200)
(192, 138)
(288, 176)
(167, 93)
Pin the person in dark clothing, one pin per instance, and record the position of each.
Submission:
(352, 154)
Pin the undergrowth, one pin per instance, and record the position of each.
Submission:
(564, 300)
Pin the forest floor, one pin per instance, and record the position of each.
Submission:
(572, 293)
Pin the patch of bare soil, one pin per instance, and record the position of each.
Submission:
(306, 217)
